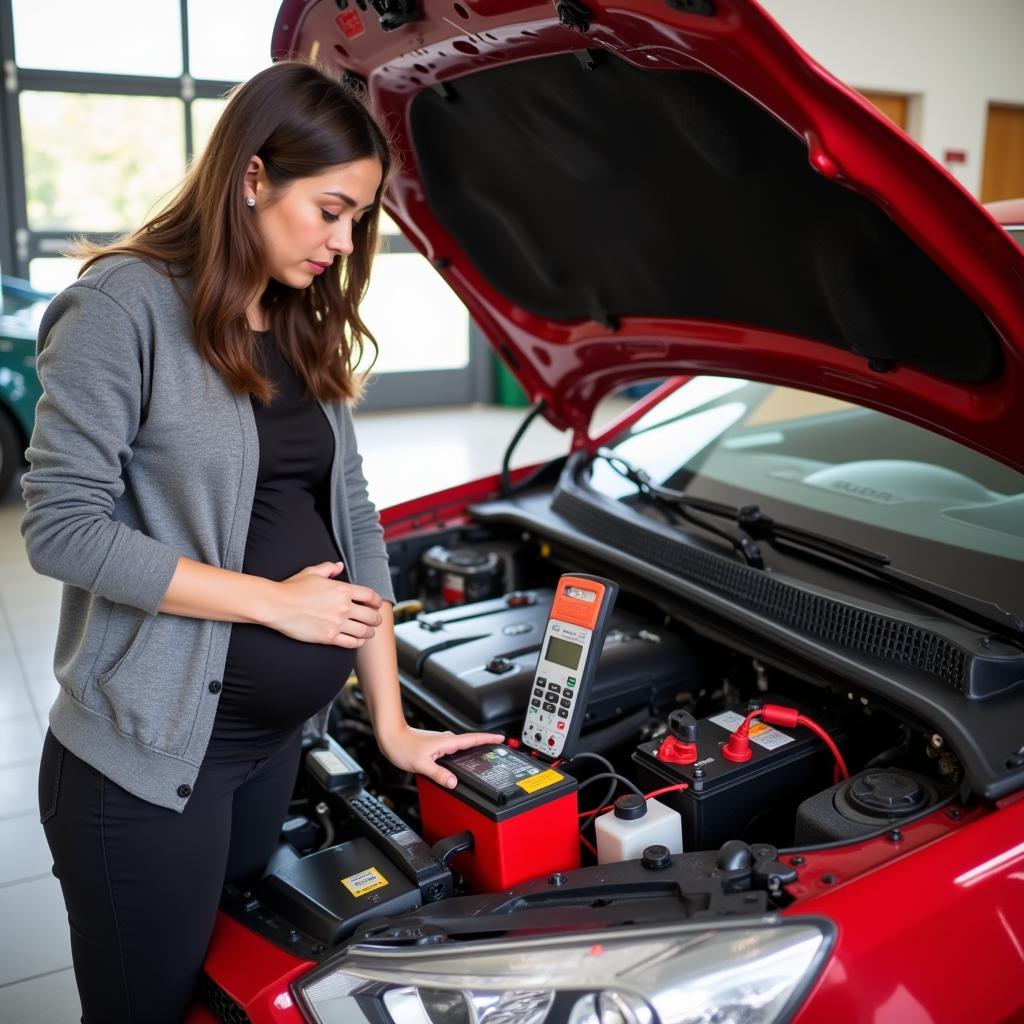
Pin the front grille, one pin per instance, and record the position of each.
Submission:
(823, 618)
(220, 1004)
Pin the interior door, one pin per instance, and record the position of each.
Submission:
(1003, 170)
(895, 106)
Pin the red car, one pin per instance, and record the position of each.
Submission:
(815, 521)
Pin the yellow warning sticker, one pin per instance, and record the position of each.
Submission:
(364, 882)
(759, 727)
(540, 781)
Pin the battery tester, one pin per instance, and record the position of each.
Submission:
(521, 811)
(570, 652)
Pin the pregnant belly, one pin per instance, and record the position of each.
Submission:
(270, 680)
(273, 681)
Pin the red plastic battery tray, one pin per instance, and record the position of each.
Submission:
(522, 813)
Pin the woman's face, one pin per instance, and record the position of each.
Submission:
(308, 223)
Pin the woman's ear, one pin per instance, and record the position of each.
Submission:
(254, 176)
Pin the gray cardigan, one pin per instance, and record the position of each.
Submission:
(140, 454)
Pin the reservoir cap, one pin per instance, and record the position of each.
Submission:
(630, 806)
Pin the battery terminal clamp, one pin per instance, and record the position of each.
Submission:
(680, 746)
(737, 747)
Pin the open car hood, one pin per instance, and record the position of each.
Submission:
(637, 190)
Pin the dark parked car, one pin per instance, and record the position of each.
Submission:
(815, 522)
(21, 308)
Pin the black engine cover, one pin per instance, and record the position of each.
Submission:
(471, 667)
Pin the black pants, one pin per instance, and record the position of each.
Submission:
(142, 882)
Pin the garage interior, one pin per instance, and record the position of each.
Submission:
(442, 408)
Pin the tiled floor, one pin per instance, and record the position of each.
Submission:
(405, 454)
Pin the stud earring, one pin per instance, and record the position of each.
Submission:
(250, 201)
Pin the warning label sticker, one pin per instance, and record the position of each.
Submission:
(728, 720)
(350, 24)
(764, 736)
(364, 882)
(540, 781)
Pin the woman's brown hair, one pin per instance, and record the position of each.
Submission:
(300, 121)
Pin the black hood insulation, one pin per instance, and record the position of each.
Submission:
(616, 191)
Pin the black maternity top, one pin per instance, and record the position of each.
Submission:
(271, 682)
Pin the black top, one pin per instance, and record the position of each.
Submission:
(272, 683)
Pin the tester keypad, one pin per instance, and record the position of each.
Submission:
(555, 686)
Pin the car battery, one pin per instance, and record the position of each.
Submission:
(755, 800)
(523, 816)
(471, 668)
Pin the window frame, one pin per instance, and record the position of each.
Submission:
(20, 244)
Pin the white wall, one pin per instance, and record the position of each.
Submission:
(953, 56)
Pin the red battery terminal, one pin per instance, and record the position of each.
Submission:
(737, 747)
(680, 746)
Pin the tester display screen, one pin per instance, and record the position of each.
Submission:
(563, 653)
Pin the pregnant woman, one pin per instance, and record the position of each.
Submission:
(194, 482)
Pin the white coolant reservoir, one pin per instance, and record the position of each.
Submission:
(632, 825)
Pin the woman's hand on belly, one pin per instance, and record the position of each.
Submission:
(417, 750)
(313, 607)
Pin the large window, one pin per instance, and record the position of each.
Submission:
(112, 100)
(98, 163)
(122, 37)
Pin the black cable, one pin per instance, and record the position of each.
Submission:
(612, 775)
(506, 461)
(537, 474)
(611, 785)
(593, 757)
(892, 753)
(592, 815)
(323, 816)
(616, 778)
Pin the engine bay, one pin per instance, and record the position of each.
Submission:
(370, 853)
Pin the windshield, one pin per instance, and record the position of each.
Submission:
(939, 510)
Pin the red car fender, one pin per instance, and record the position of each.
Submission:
(935, 935)
(253, 973)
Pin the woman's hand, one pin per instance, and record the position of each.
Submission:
(313, 607)
(417, 750)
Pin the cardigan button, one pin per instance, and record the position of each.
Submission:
(184, 791)
(215, 686)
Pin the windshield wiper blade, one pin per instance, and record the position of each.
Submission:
(755, 525)
(741, 539)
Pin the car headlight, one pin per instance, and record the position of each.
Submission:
(688, 974)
